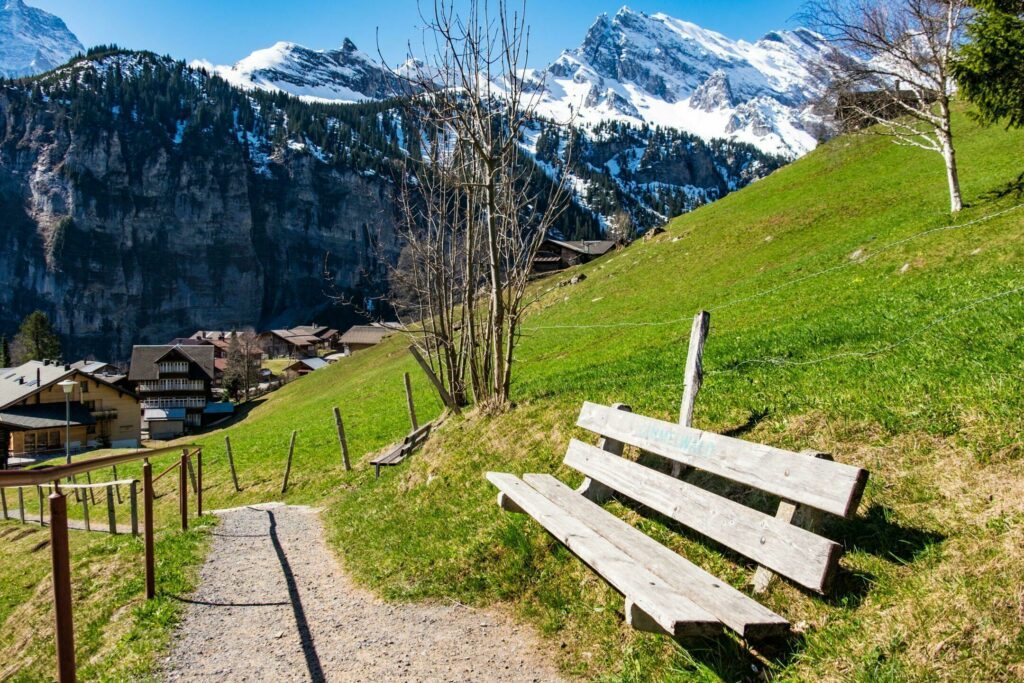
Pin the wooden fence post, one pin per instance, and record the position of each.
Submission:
(694, 375)
(288, 467)
(442, 392)
(183, 490)
(147, 511)
(21, 504)
(111, 516)
(133, 503)
(85, 510)
(61, 559)
(39, 495)
(409, 402)
(191, 472)
(199, 482)
(341, 436)
(120, 500)
(92, 493)
(3, 502)
(231, 463)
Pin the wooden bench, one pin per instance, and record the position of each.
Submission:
(400, 452)
(664, 592)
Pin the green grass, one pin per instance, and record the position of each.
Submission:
(889, 363)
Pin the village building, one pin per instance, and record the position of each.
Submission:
(304, 366)
(360, 337)
(175, 384)
(288, 344)
(558, 254)
(34, 410)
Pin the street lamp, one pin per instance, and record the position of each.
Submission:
(68, 386)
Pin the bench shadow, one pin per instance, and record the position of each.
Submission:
(733, 659)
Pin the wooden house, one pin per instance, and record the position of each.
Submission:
(35, 416)
(558, 254)
(175, 384)
(360, 337)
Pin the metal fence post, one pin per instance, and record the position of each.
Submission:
(111, 515)
(199, 482)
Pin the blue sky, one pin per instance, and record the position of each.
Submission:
(224, 31)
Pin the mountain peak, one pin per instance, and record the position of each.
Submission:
(33, 41)
(660, 70)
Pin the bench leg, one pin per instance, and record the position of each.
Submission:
(595, 491)
(509, 505)
(791, 513)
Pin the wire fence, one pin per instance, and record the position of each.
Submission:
(858, 259)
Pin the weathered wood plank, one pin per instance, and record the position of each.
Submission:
(742, 614)
(595, 490)
(791, 551)
(829, 486)
(674, 613)
(693, 376)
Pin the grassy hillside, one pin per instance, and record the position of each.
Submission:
(845, 318)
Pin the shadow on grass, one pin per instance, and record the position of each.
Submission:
(1014, 187)
(756, 417)
(875, 533)
(731, 659)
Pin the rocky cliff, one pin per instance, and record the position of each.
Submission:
(128, 228)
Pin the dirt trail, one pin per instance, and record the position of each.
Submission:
(273, 605)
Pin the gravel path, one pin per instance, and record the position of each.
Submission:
(273, 605)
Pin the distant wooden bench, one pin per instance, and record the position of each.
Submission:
(664, 592)
(400, 452)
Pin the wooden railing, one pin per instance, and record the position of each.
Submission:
(51, 477)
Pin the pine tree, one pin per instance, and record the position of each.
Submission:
(5, 353)
(990, 67)
(36, 339)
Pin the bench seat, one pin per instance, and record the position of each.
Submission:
(612, 545)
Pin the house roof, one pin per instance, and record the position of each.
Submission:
(146, 357)
(365, 334)
(163, 414)
(311, 363)
(89, 367)
(45, 416)
(308, 330)
(21, 382)
(590, 247)
(295, 339)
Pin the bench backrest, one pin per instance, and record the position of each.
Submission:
(789, 550)
(817, 483)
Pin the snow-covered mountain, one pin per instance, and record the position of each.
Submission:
(342, 75)
(32, 41)
(668, 72)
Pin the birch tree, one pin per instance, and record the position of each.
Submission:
(899, 74)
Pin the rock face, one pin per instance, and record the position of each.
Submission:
(32, 41)
(663, 71)
(124, 237)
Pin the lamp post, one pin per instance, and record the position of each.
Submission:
(68, 386)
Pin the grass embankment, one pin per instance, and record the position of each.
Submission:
(860, 361)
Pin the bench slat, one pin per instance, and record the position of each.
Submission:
(744, 615)
(788, 550)
(821, 484)
(676, 614)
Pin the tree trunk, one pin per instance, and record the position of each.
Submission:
(949, 154)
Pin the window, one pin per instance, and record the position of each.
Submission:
(90, 429)
(84, 385)
(54, 438)
(30, 441)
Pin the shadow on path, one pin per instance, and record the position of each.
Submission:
(316, 672)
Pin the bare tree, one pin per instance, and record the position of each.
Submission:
(898, 69)
(474, 208)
